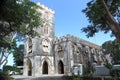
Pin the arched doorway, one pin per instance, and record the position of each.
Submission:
(60, 67)
(45, 68)
(29, 68)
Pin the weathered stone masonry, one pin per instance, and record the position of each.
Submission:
(51, 55)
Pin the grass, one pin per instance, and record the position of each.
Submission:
(11, 78)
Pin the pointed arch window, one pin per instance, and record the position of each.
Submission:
(60, 51)
(46, 29)
(46, 45)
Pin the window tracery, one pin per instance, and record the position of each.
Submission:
(46, 45)
(46, 29)
(60, 51)
(46, 15)
(76, 53)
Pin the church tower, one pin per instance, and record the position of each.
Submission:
(38, 54)
(48, 54)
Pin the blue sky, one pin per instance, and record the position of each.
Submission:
(69, 20)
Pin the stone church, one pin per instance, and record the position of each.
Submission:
(52, 55)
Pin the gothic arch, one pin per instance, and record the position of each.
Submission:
(60, 51)
(46, 39)
(46, 45)
(45, 67)
(29, 64)
(59, 47)
(60, 67)
(46, 29)
(48, 61)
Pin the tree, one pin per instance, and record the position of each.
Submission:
(112, 48)
(18, 18)
(18, 55)
(13, 18)
(6, 49)
(103, 15)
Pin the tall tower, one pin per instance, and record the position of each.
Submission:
(47, 30)
(39, 57)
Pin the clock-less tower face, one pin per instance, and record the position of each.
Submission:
(46, 29)
(46, 15)
(48, 25)
(46, 45)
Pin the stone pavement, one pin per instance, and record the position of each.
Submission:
(42, 77)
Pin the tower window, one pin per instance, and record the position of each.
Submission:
(46, 29)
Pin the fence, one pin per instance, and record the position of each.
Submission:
(95, 78)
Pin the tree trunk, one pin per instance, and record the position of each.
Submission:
(3, 57)
(114, 26)
(116, 31)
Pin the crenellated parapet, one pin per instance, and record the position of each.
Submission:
(45, 8)
(72, 38)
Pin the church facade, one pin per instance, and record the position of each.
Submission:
(51, 55)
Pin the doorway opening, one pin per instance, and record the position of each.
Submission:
(60, 67)
(45, 68)
(29, 68)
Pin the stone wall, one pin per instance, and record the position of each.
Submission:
(61, 54)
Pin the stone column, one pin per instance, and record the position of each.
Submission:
(25, 68)
(68, 56)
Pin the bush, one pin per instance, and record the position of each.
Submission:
(10, 68)
(4, 76)
(11, 78)
(113, 72)
(86, 71)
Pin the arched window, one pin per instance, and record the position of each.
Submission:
(46, 29)
(60, 51)
(46, 15)
(46, 45)
(77, 55)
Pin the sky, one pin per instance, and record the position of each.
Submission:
(69, 20)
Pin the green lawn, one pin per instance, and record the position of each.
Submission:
(11, 78)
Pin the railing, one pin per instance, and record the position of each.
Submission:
(95, 78)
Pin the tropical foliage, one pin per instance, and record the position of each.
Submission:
(18, 18)
(112, 48)
(103, 15)
(18, 55)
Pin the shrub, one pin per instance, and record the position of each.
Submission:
(4, 76)
(113, 72)
(10, 68)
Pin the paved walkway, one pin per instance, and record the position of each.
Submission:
(42, 77)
